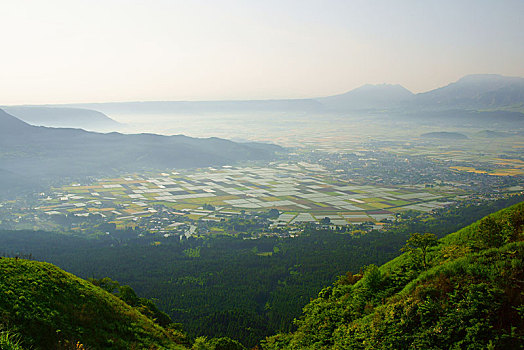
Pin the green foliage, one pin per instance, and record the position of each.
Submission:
(207, 206)
(273, 213)
(192, 252)
(53, 309)
(490, 232)
(470, 297)
(106, 284)
(372, 281)
(325, 221)
(496, 231)
(223, 343)
(128, 295)
(348, 278)
(418, 245)
(201, 343)
(10, 341)
(230, 291)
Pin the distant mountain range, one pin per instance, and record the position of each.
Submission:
(36, 153)
(472, 92)
(468, 98)
(63, 117)
(444, 135)
(479, 91)
(191, 107)
(368, 97)
(494, 134)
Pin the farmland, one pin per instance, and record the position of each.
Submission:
(362, 189)
(302, 192)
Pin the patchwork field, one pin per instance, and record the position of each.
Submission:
(302, 192)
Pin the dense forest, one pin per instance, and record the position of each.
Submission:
(462, 291)
(226, 286)
(44, 307)
(465, 291)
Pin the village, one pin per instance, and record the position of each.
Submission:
(277, 198)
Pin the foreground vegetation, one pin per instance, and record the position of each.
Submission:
(230, 287)
(465, 291)
(49, 308)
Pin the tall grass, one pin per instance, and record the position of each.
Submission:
(9, 341)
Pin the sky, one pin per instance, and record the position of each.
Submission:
(74, 51)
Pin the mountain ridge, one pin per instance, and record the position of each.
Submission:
(474, 91)
(43, 152)
(368, 96)
(63, 117)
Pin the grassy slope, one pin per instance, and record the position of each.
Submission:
(50, 308)
(471, 297)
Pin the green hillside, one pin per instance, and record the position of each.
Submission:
(48, 308)
(465, 292)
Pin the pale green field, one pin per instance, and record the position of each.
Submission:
(304, 190)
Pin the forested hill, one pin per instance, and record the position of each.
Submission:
(227, 286)
(44, 307)
(62, 152)
(465, 291)
(32, 154)
(86, 119)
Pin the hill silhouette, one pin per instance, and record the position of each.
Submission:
(471, 93)
(368, 97)
(42, 152)
(444, 135)
(475, 92)
(63, 117)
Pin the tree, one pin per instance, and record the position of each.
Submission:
(273, 213)
(201, 344)
(420, 243)
(207, 206)
(372, 279)
(325, 221)
(226, 343)
(490, 232)
(105, 283)
(127, 294)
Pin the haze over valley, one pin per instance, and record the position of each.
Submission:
(262, 175)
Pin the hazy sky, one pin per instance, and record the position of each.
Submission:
(61, 51)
